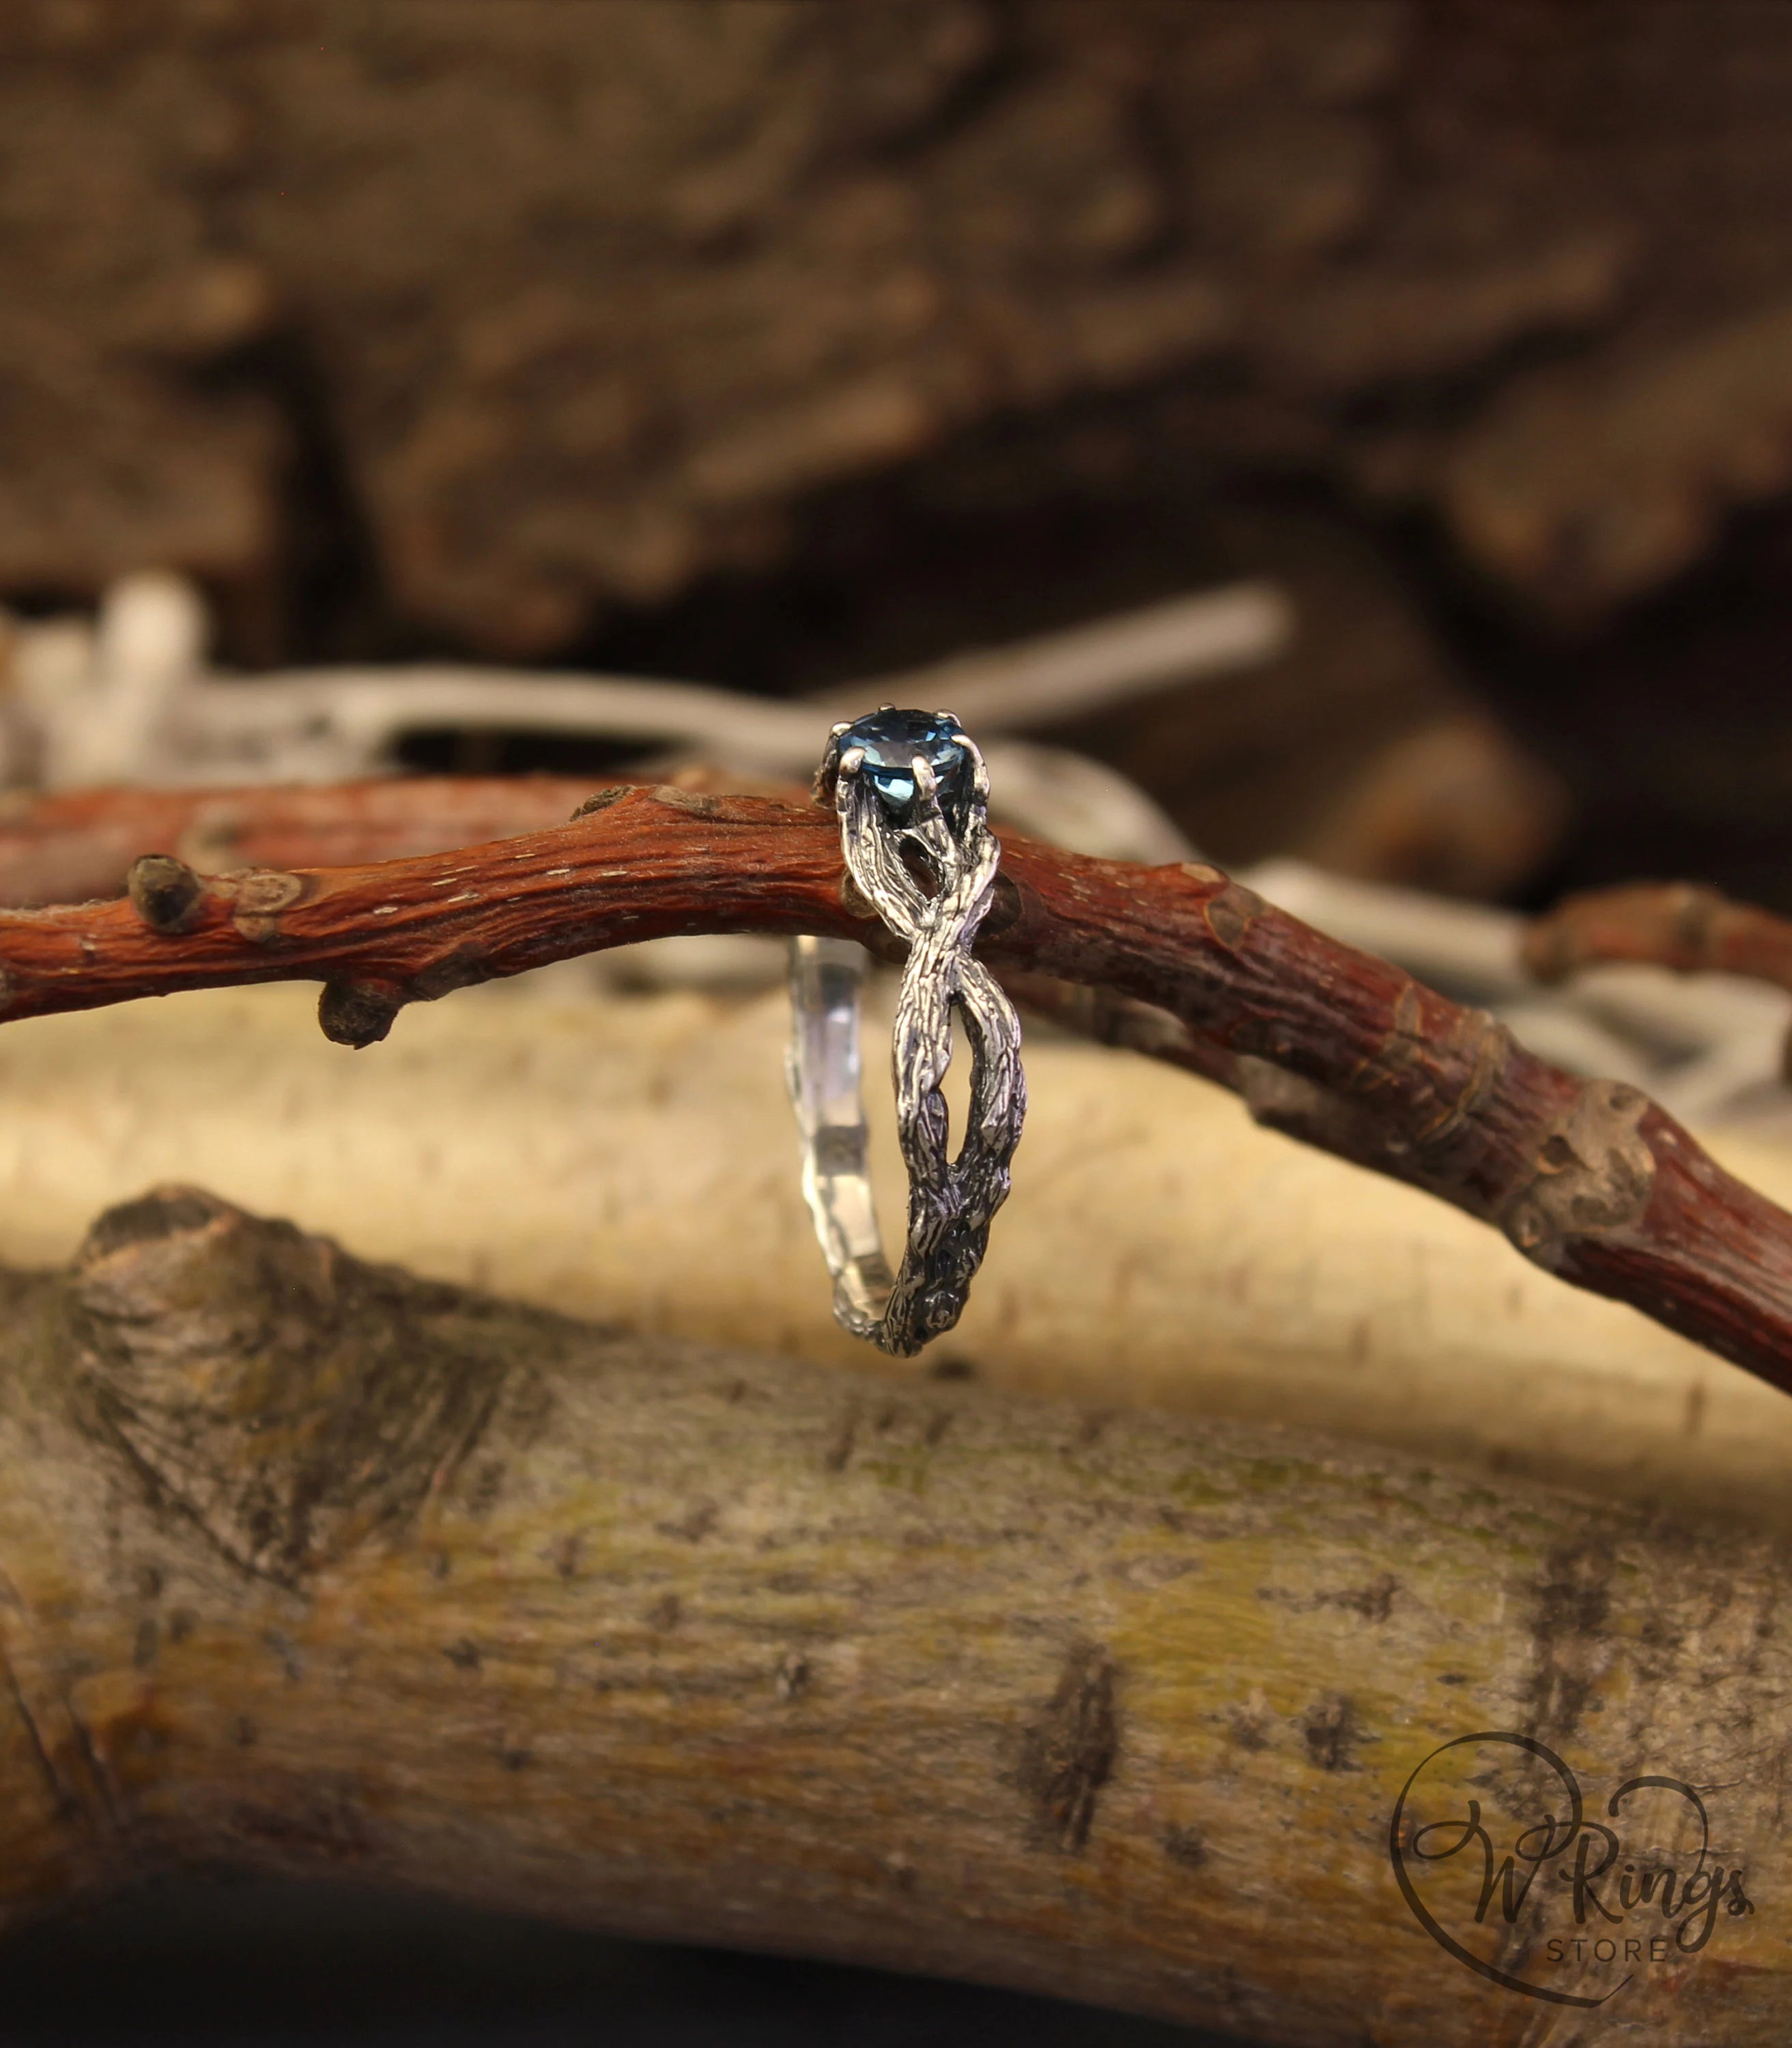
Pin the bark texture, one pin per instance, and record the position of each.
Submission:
(546, 308)
(315, 1567)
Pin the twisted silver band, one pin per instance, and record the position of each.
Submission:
(951, 1200)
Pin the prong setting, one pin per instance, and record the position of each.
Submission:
(917, 764)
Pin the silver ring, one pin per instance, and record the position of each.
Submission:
(911, 795)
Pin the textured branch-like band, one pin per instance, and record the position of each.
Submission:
(911, 794)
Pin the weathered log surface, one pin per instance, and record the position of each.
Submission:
(318, 1568)
(632, 1160)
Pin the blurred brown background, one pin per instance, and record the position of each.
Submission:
(767, 343)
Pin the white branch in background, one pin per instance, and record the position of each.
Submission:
(1066, 675)
(131, 700)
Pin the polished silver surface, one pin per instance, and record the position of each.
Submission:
(937, 911)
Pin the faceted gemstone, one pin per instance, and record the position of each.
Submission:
(891, 740)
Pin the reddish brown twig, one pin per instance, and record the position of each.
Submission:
(1590, 1179)
(1681, 926)
(1677, 925)
(78, 845)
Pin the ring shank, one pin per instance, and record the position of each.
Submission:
(827, 978)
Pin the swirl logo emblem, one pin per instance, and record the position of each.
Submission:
(1496, 1853)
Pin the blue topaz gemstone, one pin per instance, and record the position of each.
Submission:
(891, 739)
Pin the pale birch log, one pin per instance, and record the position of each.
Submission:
(635, 1161)
(321, 1570)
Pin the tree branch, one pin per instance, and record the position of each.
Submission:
(312, 1567)
(1589, 1179)
(75, 845)
(1678, 924)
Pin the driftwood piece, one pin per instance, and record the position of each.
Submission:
(316, 1567)
(631, 1160)
(1591, 1179)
